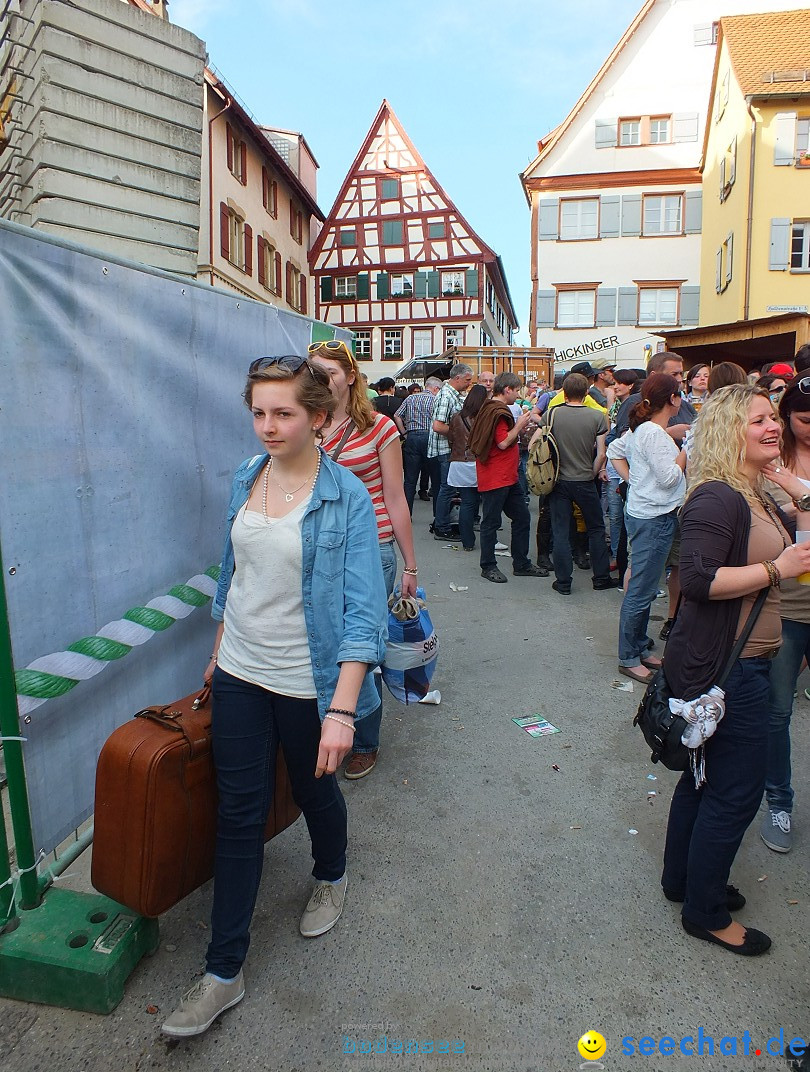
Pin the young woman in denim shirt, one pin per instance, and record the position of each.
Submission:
(301, 606)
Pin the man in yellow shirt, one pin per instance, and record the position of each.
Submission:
(584, 369)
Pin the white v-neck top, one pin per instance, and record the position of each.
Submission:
(265, 639)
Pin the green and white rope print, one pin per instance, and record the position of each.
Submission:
(58, 673)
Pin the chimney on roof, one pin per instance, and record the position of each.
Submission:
(160, 8)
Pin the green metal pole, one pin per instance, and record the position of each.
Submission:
(7, 907)
(15, 769)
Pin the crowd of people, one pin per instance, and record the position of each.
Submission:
(705, 481)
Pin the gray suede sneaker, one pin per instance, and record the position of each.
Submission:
(323, 908)
(775, 830)
(202, 1005)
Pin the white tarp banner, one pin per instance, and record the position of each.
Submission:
(121, 422)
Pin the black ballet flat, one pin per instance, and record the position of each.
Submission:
(756, 942)
(734, 899)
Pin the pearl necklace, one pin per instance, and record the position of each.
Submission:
(288, 495)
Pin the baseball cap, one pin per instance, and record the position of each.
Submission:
(584, 368)
(602, 364)
(783, 370)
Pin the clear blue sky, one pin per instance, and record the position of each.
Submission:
(474, 82)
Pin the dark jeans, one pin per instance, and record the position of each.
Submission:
(442, 493)
(560, 503)
(467, 514)
(248, 723)
(509, 501)
(784, 672)
(706, 825)
(414, 457)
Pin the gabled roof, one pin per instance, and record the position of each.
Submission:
(545, 145)
(770, 52)
(384, 114)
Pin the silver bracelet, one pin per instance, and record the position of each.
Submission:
(342, 721)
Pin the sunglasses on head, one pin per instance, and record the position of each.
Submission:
(293, 362)
(804, 385)
(333, 344)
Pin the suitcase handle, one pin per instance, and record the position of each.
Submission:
(167, 718)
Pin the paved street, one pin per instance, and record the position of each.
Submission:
(497, 895)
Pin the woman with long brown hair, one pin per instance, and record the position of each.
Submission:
(648, 458)
(368, 444)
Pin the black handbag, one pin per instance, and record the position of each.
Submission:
(661, 728)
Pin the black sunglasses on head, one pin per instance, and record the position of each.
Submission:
(293, 362)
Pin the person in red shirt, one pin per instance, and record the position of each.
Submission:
(494, 441)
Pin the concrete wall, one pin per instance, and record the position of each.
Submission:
(107, 129)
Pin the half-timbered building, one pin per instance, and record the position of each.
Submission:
(398, 264)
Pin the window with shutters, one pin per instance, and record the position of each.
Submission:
(800, 246)
(422, 342)
(453, 337)
(576, 308)
(362, 345)
(266, 267)
(662, 214)
(294, 292)
(657, 305)
(452, 283)
(803, 141)
(296, 221)
(237, 154)
(660, 129)
(630, 131)
(346, 286)
(402, 285)
(236, 239)
(728, 170)
(392, 343)
(392, 232)
(579, 218)
(269, 193)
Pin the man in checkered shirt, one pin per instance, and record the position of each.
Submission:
(448, 403)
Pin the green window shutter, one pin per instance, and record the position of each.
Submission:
(436, 230)
(420, 284)
(362, 285)
(471, 280)
(433, 284)
(390, 189)
(348, 237)
(326, 288)
(392, 233)
(382, 284)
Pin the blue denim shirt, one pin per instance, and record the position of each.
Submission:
(345, 607)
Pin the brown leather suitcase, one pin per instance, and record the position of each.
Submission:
(156, 807)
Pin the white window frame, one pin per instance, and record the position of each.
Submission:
(346, 286)
(453, 336)
(392, 342)
(236, 240)
(579, 308)
(663, 212)
(236, 154)
(575, 223)
(800, 230)
(452, 284)
(422, 341)
(362, 344)
(402, 285)
(631, 128)
(659, 296)
(802, 136)
(659, 136)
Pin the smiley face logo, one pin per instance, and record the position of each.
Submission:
(592, 1046)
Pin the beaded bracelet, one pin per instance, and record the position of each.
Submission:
(342, 721)
(340, 711)
(413, 570)
(774, 576)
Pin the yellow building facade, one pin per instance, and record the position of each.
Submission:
(755, 257)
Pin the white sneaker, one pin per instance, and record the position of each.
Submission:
(501, 546)
(206, 1000)
(323, 908)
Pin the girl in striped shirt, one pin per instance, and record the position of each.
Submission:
(370, 447)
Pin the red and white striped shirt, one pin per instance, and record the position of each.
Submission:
(361, 455)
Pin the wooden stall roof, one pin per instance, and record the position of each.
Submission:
(749, 343)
